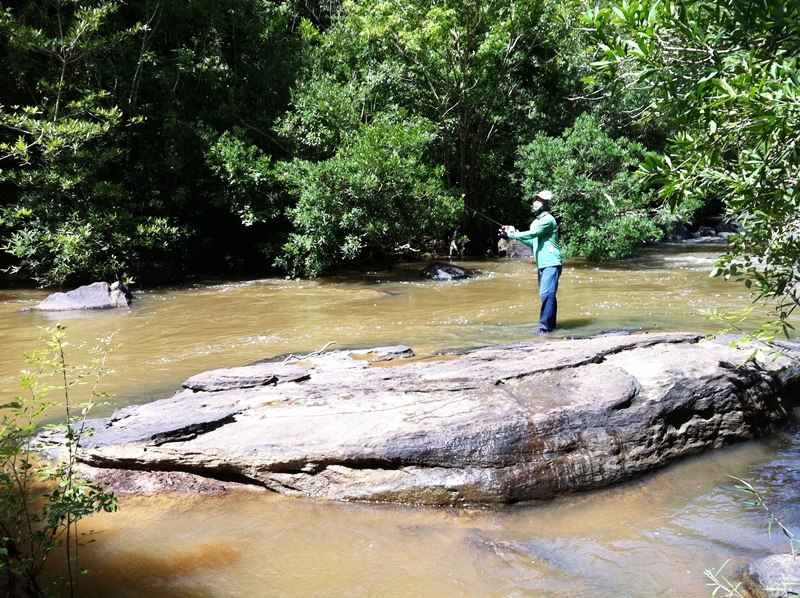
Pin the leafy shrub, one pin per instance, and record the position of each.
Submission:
(66, 215)
(376, 193)
(247, 175)
(75, 247)
(598, 198)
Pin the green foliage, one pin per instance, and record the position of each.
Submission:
(602, 208)
(485, 73)
(724, 75)
(754, 499)
(213, 78)
(97, 182)
(375, 193)
(41, 501)
(68, 216)
(72, 246)
(324, 114)
(724, 586)
(141, 133)
(759, 341)
(248, 173)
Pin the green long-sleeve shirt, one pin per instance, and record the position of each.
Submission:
(543, 239)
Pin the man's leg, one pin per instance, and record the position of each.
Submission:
(548, 287)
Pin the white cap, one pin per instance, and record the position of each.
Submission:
(544, 195)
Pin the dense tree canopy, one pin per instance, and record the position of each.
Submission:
(61, 134)
(112, 125)
(255, 137)
(485, 76)
(376, 192)
(725, 83)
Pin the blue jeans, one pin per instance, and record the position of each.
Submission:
(548, 287)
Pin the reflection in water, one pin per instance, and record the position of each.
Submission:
(653, 536)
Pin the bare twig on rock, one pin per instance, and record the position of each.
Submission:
(319, 351)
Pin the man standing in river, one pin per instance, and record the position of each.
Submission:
(543, 239)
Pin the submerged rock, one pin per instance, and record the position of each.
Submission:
(445, 271)
(495, 425)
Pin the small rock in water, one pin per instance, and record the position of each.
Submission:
(445, 271)
(775, 576)
(98, 295)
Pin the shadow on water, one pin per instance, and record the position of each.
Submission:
(139, 573)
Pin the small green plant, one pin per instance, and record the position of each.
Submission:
(721, 584)
(42, 499)
(756, 500)
(760, 342)
(735, 320)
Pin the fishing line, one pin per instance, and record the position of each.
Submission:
(492, 220)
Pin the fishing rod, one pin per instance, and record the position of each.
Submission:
(492, 220)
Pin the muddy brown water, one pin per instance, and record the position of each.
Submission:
(654, 536)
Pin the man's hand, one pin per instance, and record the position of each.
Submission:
(503, 234)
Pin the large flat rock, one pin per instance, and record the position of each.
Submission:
(495, 425)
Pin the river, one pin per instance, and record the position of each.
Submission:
(654, 536)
